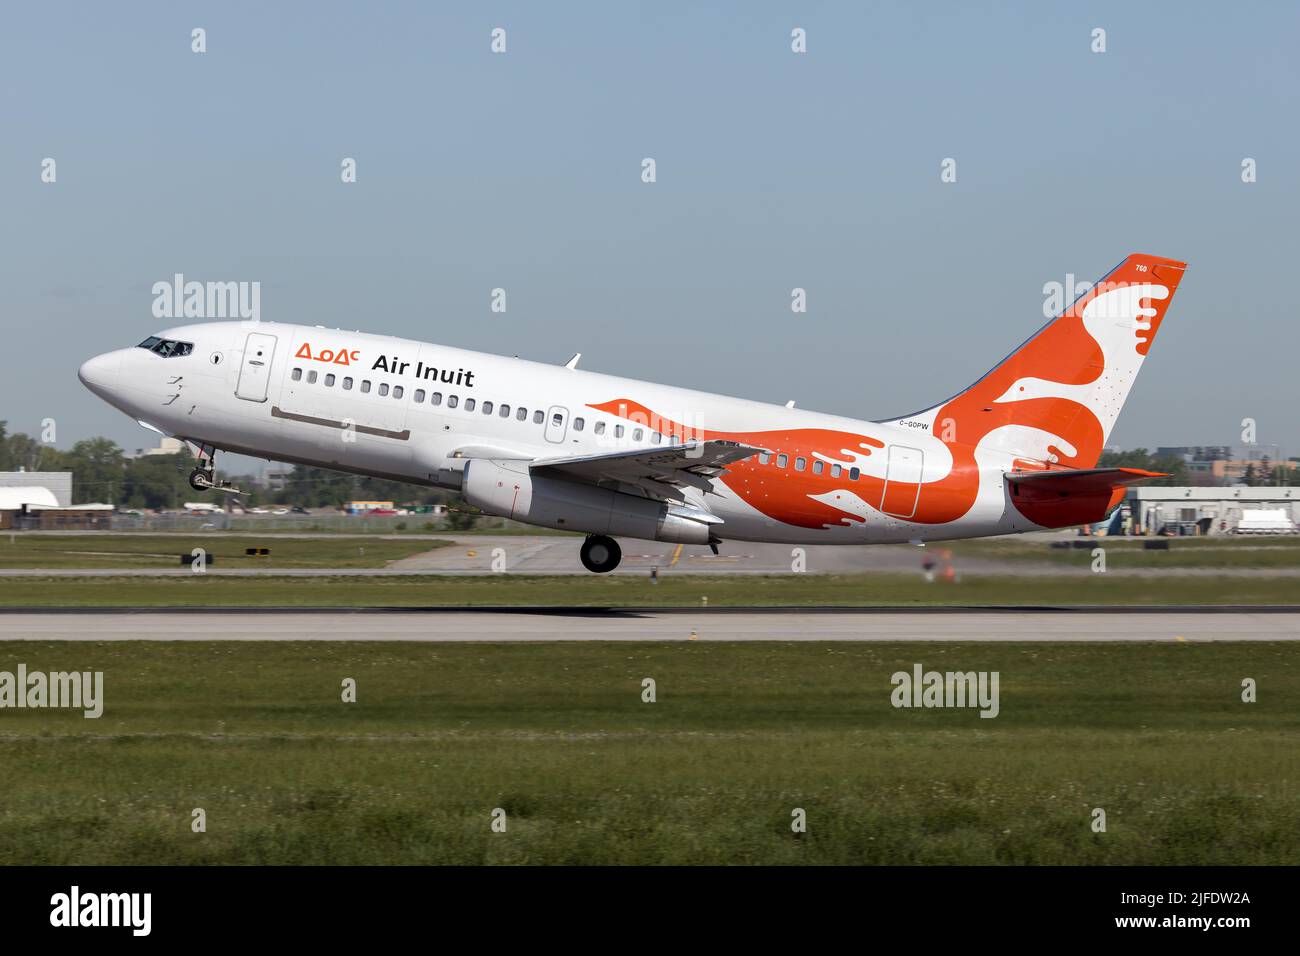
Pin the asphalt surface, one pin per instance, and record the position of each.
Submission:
(1034, 626)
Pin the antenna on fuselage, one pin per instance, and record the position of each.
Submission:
(573, 362)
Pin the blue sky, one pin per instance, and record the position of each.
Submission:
(775, 170)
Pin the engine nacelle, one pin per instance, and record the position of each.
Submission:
(507, 488)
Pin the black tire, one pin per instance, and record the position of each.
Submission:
(200, 480)
(600, 554)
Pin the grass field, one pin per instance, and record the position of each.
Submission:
(1125, 553)
(639, 591)
(557, 735)
(164, 551)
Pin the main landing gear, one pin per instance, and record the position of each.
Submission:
(600, 554)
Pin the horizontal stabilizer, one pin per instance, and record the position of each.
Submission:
(1082, 481)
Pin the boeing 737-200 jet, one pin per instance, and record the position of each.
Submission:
(565, 448)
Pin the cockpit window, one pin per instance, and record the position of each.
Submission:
(167, 348)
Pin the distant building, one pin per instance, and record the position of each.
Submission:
(1205, 511)
(58, 483)
(168, 446)
(275, 479)
(26, 504)
(1224, 465)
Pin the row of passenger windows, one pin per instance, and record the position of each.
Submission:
(329, 379)
(521, 414)
(818, 466)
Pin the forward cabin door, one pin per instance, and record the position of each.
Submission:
(255, 373)
(902, 481)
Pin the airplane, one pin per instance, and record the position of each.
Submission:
(561, 447)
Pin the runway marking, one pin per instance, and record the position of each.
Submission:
(677, 553)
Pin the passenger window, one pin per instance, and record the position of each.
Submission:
(365, 385)
(469, 404)
(505, 411)
(674, 439)
(800, 464)
(329, 380)
(599, 428)
(397, 391)
(557, 419)
(522, 414)
(538, 416)
(853, 474)
(487, 408)
(452, 400)
(297, 375)
(418, 397)
(835, 471)
(347, 383)
(782, 460)
(656, 438)
(818, 466)
(579, 424)
(764, 458)
(637, 433)
(311, 377)
(435, 398)
(383, 388)
(618, 431)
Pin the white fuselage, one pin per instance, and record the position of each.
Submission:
(330, 398)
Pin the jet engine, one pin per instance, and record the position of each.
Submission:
(509, 489)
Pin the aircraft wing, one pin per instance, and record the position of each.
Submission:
(660, 473)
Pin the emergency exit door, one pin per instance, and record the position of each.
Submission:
(255, 372)
(557, 423)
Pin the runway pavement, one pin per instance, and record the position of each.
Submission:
(1046, 626)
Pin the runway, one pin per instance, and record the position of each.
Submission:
(436, 625)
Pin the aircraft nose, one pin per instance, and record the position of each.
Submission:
(98, 373)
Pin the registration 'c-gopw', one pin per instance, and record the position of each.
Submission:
(565, 448)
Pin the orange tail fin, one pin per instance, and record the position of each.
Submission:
(1056, 398)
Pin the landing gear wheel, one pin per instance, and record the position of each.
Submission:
(201, 480)
(600, 554)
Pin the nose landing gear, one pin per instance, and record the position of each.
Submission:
(204, 477)
(600, 554)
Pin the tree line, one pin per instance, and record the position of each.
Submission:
(102, 472)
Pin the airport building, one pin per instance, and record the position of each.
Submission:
(1208, 511)
(57, 483)
(167, 446)
(43, 500)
